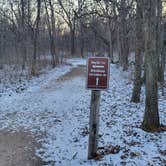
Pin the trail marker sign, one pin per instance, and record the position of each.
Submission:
(98, 73)
(97, 79)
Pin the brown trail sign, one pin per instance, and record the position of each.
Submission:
(98, 73)
(97, 79)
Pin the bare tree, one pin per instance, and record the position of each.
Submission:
(35, 39)
(52, 31)
(163, 57)
(138, 52)
(68, 13)
(23, 31)
(151, 116)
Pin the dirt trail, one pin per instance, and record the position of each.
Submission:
(79, 71)
(75, 72)
(18, 148)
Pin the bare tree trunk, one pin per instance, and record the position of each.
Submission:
(81, 39)
(23, 34)
(53, 46)
(163, 58)
(151, 116)
(80, 3)
(51, 30)
(72, 31)
(119, 46)
(138, 54)
(123, 35)
(50, 34)
(158, 38)
(110, 42)
(36, 31)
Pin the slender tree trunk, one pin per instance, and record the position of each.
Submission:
(48, 22)
(82, 47)
(73, 41)
(50, 36)
(110, 41)
(123, 35)
(151, 116)
(53, 45)
(23, 34)
(119, 46)
(158, 38)
(138, 54)
(163, 61)
(82, 39)
(36, 31)
(163, 58)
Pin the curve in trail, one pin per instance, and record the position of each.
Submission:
(50, 111)
(65, 141)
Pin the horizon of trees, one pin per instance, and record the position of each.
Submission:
(33, 28)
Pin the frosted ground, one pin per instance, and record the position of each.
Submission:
(57, 113)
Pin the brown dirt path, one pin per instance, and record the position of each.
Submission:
(75, 72)
(79, 71)
(18, 148)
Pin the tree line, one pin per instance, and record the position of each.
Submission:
(31, 28)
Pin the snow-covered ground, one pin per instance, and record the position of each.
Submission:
(57, 112)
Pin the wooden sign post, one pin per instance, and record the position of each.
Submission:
(94, 124)
(97, 80)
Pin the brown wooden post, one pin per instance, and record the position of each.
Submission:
(94, 124)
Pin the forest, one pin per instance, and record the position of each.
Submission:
(44, 47)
